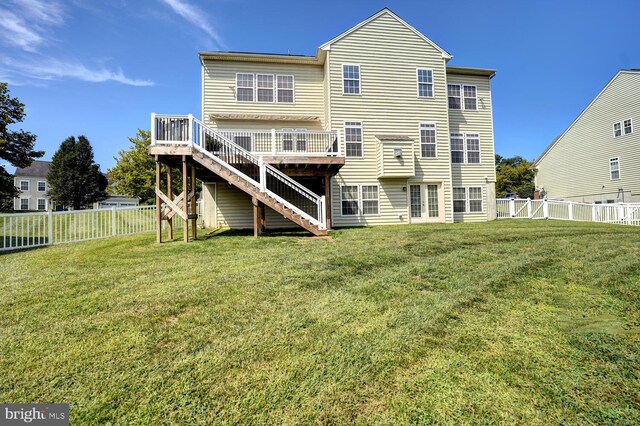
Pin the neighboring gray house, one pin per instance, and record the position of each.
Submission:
(32, 182)
(597, 159)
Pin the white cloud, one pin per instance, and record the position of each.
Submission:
(54, 69)
(195, 16)
(25, 23)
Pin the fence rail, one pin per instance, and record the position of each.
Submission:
(26, 230)
(619, 213)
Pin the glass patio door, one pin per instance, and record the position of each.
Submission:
(425, 203)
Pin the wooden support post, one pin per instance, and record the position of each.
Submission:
(263, 219)
(185, 190)
(194, 207)
(327, 199)
(256, 217)
(158, 206)
(170, 195)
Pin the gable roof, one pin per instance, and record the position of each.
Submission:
(327, 45)
(37, 168)
(559, 138)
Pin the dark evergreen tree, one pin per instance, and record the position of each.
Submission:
(16, 147)
(74, 178)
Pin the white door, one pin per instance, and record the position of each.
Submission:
(426, 202)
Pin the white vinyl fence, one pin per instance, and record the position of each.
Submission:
(619, 213)
(25, 230)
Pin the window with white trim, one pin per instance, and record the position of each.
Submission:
(24, 204)
(353, 138)
(244, 87)
(425, 83)
(360, 200)
(349, 200)
(42, 204)
(614, 168)
(264, 83)
(24, 185)
(457, 148)
(459, 200)
(351, 79)
(285, 89)
(454, 96)
(617, 130)
(42, 185)
(473, 148)
(627, 127)
(470, 98)
(244, 141)
(475, 199)
(428, 147)
(370, 202)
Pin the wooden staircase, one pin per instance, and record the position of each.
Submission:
(240, 182)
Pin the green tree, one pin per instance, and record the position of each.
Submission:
(74, 178)
(514, 174)
(16, 147)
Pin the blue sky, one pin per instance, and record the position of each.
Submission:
(99, 68)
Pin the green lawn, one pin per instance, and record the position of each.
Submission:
(508, 322)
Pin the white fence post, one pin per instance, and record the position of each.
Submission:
(570, 210)
(594, 216)
(50, 227)
(114, 226)
(512, 207)
(273, 142)
(339, 143)
(529, 209)
(190, 130)
(322, 213)
(545, 208)
(263, 175)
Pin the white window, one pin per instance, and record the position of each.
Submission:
(473, 148)
(475, 199)
(244, 87)
(470, 101)
(459, 200)
(349, 200)
(285, 89)
(265, 87)
(353, 138)
(42, 185)
(614, 168)
(457, 148)
(467, 200)
(370, 203)
(453, 93)
(351, 79)
(425, 83)
(24, 204)
(360, 200)
(617, 130)
(24, 185)
(428, 147)
(294, 140)
(628, 128)
(42, 204)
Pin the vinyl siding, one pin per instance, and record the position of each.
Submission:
(219, 82)
(479, 121)
(32, 194)
(577, 166)
(388, 54)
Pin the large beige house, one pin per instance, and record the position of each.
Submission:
(597, 158)
(377, 124)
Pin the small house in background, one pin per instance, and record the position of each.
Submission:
(33, 185)
(597, 159)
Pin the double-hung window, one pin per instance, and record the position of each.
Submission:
(24, 185)
(473, 148)
(627, 127)
(42, 204)
(351, 79)
(428, 147)
(42, 186)
(244, 87)
(360, 200)
(617, 130)
(24, 204)
(265, 87)
(425, 83)
(614, 168)
(462, 97)
(285, 89)
(353, 138)
(457, 148)
(467, 200)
